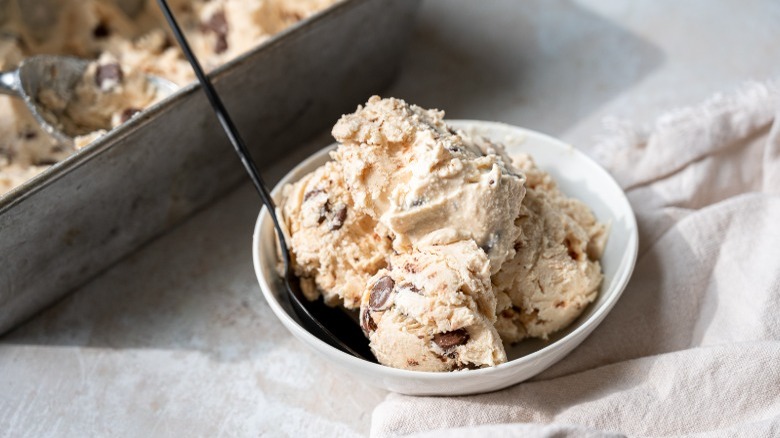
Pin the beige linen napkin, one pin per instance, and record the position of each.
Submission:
(693, 345)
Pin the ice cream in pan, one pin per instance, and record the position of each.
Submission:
(128, 41)
(449, 248)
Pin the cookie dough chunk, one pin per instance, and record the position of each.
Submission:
(555, 272)
(426, 182)
(335, 247)
(433, 309)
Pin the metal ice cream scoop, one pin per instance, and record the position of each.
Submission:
(59, 74)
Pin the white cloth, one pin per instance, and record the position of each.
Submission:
(693, 345)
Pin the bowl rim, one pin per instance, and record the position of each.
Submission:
(619, 282)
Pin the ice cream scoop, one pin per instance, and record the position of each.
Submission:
(59, 76)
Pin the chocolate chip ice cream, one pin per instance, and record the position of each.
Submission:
(433, 309)
(335, 247)
(135, 36)
(426, 182)
(451, 248)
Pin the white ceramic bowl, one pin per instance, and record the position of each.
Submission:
(577, 176)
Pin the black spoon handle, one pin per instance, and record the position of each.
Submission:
(227, 124)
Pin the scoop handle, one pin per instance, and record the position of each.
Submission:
(10, 84)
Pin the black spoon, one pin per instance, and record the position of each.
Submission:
(342, 331)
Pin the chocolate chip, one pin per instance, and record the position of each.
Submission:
(467, 366)
(221, 45)
(453, 149)
(128, 113)
(367, 322)
(448, 340)
(217, 23)
(412, 363)
(412, 288)
(29, 135)
(108, 72)
(338, 217)
(380, 292)
(101, 31)
(324, 210)
(312, 193)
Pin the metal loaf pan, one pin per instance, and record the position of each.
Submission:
(86, 212)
